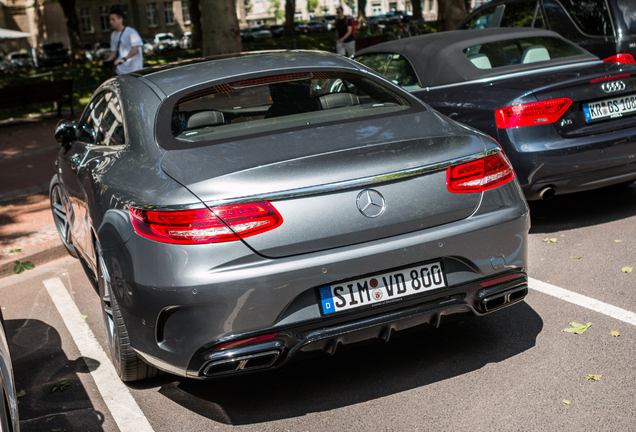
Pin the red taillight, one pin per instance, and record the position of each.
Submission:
(499, 280)
(621, 58)
(533, 113)
(245, 341)
(479, 175)
(221, 224)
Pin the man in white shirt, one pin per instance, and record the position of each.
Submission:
(125, 45)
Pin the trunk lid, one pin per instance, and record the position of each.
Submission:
(315, 178)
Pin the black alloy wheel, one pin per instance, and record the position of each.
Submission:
(129, 366)
(60, 218)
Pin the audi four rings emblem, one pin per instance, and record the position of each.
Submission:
(371, 203)
(614, 86)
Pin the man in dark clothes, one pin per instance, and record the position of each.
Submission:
(345, 43)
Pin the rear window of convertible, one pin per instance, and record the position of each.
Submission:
(272, 103)
(520, 51)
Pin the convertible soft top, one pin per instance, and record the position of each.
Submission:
(438, 58)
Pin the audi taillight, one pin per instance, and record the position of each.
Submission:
(621, 58)
(480, 175)
(533, 113)
(219, 224)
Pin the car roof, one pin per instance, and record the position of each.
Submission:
(440, 55)
(174, 77)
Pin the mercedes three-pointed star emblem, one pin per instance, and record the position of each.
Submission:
(371, 203)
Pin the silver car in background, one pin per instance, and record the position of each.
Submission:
(237, 211)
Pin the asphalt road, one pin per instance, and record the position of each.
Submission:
(509, 371)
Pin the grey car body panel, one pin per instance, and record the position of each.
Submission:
(179, 300)
(220, 290)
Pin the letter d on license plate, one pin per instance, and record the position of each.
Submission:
(381, 289)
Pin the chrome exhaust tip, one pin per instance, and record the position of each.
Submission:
(241, 363)
(505, 298)
(547, 192)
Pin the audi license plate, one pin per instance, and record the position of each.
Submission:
(609, 108)
(381, 289)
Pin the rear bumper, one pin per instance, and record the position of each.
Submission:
(542, 158)
(470, 298)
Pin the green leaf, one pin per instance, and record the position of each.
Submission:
(17, 269)
(593, 377)
(28, 265)
(627, 269)
(576, 257)
(577, 328)
(29, 166)
(84, 317)
(615, 333)
(567, 402)
(20, 394)
(13, 251)
(550, 240)
(60, 386)
(617, 241)
(56, 430)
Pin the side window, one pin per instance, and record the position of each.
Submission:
(104, 122)
(522, 15)
(570, 17)
(483, 20)
(394, 67)
(401, 72)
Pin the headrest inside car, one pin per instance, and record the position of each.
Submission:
(480, 60)
(337, 100)
(534, 54)
(206, 118)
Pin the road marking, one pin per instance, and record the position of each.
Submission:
(584, 301)
(116, 395)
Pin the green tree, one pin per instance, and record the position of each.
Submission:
(312, 5)
(274, 8)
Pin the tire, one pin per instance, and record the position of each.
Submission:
(60, 217)
(129, 366)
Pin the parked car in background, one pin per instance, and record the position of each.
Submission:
(255, 34)
(19, 61)
(301, 28)
(277, 30)
(53, 54)
(565, 119)
(317, 26)
(165, 42)
(101, 50)
(606, 28)
(267, 204)
(148, 46)
(186, 40)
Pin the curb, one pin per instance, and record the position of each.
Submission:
(38, 258)
(21, 193)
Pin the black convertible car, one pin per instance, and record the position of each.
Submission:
(564, 117)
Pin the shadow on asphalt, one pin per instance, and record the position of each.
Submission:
(39, 362)
(359, 373)
(577, 210)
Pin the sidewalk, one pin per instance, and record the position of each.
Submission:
(27, 154)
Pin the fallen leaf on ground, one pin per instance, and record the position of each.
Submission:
(593, 377)
(617, 241)
(60, 386)
(84, 317)
(577, 328)
(13, 251)
(576, 257)
(615, 333)
(627, 269)
(20, 394)
(567, 402)
(550, 240)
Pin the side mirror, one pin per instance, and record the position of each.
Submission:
(65, 132)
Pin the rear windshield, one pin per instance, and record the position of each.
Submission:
(520, 51)
(278, 102)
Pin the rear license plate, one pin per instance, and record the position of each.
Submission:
(609, 108)
(381, 289)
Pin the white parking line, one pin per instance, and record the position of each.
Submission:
(116, 395)
(584, 301)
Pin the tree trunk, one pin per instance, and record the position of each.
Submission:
(290, 11)
(195, 23)
(73, 27)
(219, 27)
(417, 9)
(450, 13)
(362, 15)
